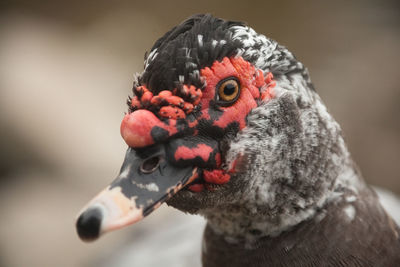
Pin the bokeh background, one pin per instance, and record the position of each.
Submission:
(66, 68)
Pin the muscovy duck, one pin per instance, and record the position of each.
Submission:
(224, 122)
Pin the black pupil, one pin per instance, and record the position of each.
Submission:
(150, 165)
(229, 89)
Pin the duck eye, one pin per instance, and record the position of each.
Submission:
(228, 90)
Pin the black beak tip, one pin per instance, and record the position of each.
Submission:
(88, 224)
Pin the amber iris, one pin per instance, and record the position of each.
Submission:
(228, 90)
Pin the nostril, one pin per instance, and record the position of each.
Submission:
(150, 165)
(88, 224)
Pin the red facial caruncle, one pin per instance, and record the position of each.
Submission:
(192, 121)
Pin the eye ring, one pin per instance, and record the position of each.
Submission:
(150, 165)
(228, 91)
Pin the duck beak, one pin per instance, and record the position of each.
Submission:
(145, 181)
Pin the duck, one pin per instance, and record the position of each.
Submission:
(225, 122)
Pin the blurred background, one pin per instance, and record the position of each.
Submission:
(66, 69)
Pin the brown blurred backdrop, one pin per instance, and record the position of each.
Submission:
(65, 72)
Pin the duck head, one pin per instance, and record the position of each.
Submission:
(223, 122)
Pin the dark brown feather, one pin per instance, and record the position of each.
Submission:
(370, 239)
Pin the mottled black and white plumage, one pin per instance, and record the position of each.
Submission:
(298, 199)
(294, 196)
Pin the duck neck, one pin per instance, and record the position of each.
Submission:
(292, 171)
(247, 222)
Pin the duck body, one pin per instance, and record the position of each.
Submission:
(341, 234)
(225, 123)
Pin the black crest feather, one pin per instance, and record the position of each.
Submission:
(192, 45)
